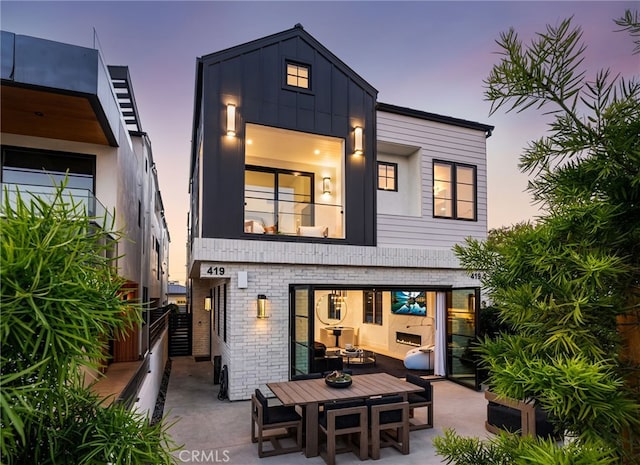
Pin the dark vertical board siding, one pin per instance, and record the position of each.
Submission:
(254, 79)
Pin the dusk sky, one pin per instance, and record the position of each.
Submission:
(429, 56)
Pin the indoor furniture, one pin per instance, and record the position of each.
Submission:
(422, 399)
(419, 358)
(313, 231)
(310, 393)
(388, 413)
(271, 418)
(344, 418)
(358, 357)
(345, 335)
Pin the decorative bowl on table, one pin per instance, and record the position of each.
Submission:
(337, 379)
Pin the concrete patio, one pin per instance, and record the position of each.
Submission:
(214, 431)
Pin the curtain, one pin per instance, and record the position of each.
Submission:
(440, 367)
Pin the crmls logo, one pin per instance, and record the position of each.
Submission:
(204, 456)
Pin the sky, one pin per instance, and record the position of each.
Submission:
(426, 55)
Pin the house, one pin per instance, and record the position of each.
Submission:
(65, 111)
(320, 217)
(177, 295)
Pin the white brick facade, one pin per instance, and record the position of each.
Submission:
(257, 350)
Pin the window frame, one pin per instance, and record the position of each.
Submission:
(454, 195)
(285, 75)
(372, 308)
(387, 164)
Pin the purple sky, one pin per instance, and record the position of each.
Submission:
(431, 56)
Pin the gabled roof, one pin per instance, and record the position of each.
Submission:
(435, 117)
(297, 30)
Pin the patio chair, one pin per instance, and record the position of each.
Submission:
(277, 417)
(420, 400)
(344, 418)
(389, 422)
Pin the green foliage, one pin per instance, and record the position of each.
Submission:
(60, 305)
(509, 449)
(563, 282)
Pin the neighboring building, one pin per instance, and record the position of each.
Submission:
(64, 109)
(177, 294)
(339, 210)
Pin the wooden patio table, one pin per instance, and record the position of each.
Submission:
(310, 393)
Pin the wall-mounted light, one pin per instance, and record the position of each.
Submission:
(357, 141)
(231, 120)
(207, 304)
(262, 306)
(326, 185)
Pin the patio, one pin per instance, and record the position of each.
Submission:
(214, 431)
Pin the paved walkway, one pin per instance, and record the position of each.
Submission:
(214, 431)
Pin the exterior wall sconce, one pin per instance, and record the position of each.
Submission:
(262, 306)
(326, 185)
(207, 304)
(357, 142)
(231, 120)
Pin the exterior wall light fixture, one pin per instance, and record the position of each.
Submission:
(262, 306)
(207, 304)
(326, 185)
(231, 120)
(357, 142)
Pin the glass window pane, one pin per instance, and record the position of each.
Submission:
(442, 189)
(465, 210)
(443, 207)
(303, 82)
(465, 192)
(303, 72)
(391, 184)
(464, 174)
(291, 69)
(442, 172)
(292, 80)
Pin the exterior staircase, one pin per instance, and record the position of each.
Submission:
(179, 334)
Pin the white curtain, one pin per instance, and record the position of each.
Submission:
(440, 367)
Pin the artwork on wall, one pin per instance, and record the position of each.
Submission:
(409, 303)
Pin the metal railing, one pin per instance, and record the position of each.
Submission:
(84, 197)
(159, 321)
(291, 217)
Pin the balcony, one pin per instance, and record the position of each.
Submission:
(99, 214)
(293, 218)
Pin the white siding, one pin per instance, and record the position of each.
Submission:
(434, 141)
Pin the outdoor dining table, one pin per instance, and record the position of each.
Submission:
(310, 393)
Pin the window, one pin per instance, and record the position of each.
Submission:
(454, 191)
(297, 75)
(372, 307)
(387, 176)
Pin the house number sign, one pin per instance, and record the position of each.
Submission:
(213, 270)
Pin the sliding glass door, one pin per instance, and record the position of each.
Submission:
(301, 330)
(462, 310)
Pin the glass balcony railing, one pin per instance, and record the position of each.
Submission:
(85, 198)
(290, 218)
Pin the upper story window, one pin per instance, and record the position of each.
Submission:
(298, 75)
(454, 190)
(387, 176)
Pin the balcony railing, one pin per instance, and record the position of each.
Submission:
(290, 218)
(98, 212)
